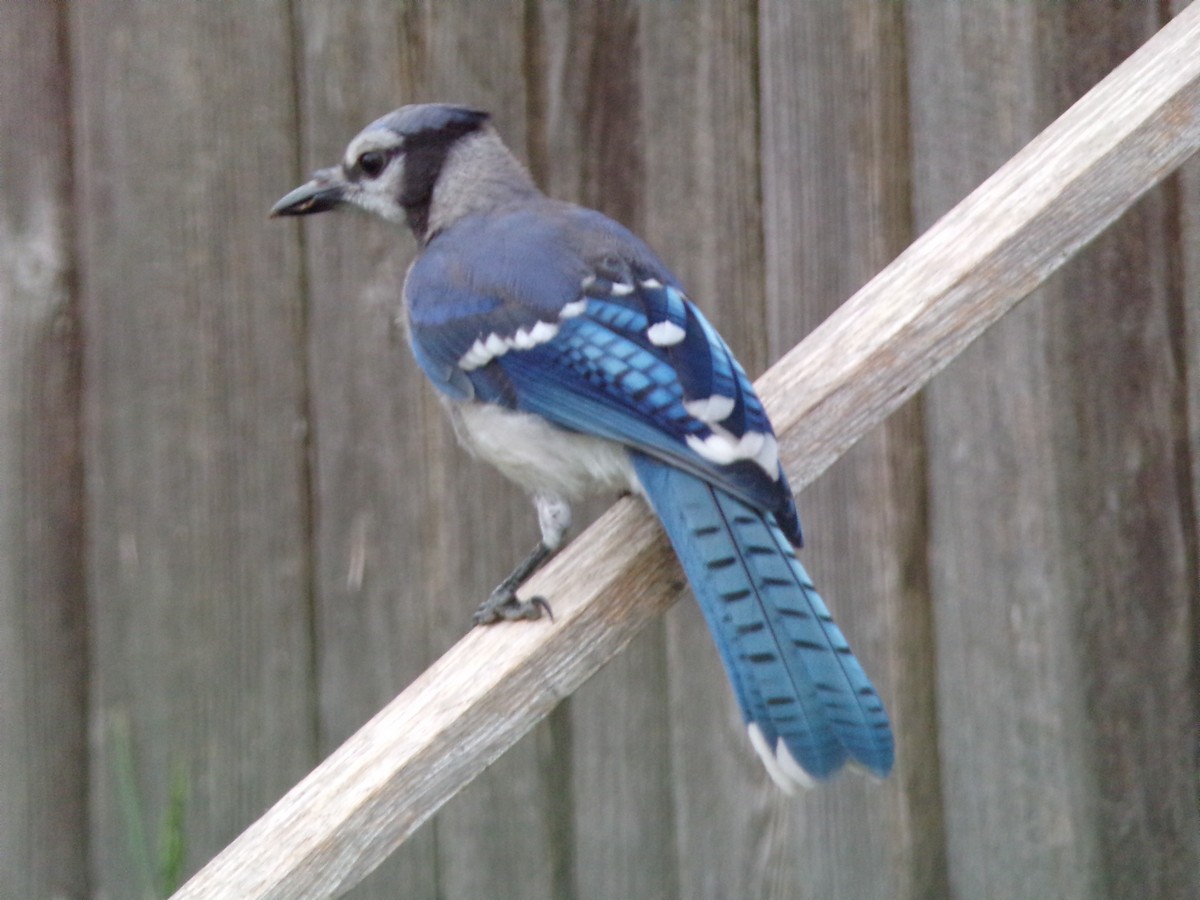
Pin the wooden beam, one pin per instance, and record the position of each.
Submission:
(1059, 192)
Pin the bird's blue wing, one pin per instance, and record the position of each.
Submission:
(569, 316)
(561, 313)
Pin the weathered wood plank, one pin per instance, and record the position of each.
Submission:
(1131, 149)
(372, 529)
(1189, 330)
(588, 147)
(860, 365)
(837, 209)
(202, 694)
(994, 545)
(701, 131)
(1117, 441)
(501, 836)
(1059, 562)
(411, 533)
(43, 762)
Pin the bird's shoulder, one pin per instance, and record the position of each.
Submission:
(533, 254)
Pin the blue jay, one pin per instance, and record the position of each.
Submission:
(569, 357)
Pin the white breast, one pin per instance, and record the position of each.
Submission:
(539, 456)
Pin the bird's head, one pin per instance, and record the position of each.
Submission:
(424, 166)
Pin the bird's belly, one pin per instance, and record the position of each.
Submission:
(540, 456)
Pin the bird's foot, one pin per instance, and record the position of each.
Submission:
(505, 606)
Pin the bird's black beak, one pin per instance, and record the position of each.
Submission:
(326, 191)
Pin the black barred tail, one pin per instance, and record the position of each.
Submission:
(808, 704)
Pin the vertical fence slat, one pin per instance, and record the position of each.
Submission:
(1118, 384)
(1063, 594)
(589, 149)
(502, 835)
(1016, 824)
(201, 677)
(1188, 329)
(703, 214)
(836, 210)
(372, 529)
(43, 763)
(412, 534)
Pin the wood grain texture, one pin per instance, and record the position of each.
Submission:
(850, 373)
(43, 752)
(348, 814)
(703, 215)
(836, 206)
(1187, 328)
(501, 837)
(994, 545)
(202, 698)
(411, 534)
(619, 787)
(1059, 560)
(371, 525)
(1114, 342)
(1099, 161)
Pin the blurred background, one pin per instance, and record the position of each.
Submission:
(233, 523)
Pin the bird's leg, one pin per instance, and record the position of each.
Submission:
(554, 518)
(503, 602)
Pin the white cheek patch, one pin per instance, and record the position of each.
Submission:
(379, 203)
(711, 409)
(665, 334)
(484, 350)
(723, 448)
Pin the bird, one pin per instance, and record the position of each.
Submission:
(569, 357)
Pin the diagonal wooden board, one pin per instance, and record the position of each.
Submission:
(1128, 133)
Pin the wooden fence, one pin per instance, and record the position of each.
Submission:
(232, 524)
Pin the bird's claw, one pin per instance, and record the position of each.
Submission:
(508, 607)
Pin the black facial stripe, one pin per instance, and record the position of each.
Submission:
(422, 165)
(425, 153)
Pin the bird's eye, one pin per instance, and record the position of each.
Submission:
(372, 163)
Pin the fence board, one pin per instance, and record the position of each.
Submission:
(1003, 635)
(501, 836)
(837, 209)
(1187, 327)
(411, 533)
(1125, 496)
(371, 533)
(43, 762)
(201, 679)
(1046, 539)
(703, 215)
(590, 111)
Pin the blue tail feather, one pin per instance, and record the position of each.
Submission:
(791, 669)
